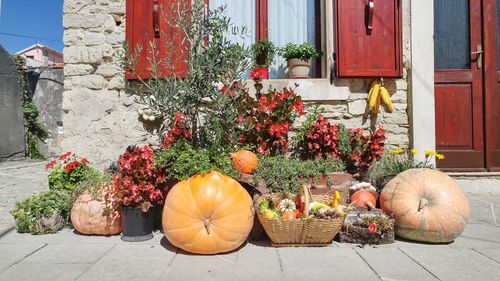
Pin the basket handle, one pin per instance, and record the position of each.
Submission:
(306, 190)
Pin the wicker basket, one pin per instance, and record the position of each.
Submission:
(299, 232)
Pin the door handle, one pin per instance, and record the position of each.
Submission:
(156, 24)
(371, 8)
(479, 52)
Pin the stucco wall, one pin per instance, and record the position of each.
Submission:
(100, 118)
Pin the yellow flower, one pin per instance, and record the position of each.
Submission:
(413, 151)
(398, 150)
(430, 152)
(440, 156)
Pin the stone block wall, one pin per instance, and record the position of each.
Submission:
(100, 117)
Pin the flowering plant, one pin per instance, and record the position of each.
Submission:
(138, 183)
(399, 160)
(266, 120)
(356, 148)
(67, 171)
(178, 131)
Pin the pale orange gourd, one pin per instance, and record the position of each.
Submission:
(208, 214)
(427, 206)
(245, 161)
(364, 198)
(88, 216)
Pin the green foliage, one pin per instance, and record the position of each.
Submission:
(383, 223)
(394, 163)
(211, 59)
(61, 180)
(303, 51)
(95, 183)
(181, 161)
(286, 175)
(263, 53)
(35, 132)
(32, 213)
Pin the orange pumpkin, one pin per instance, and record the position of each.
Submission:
(364, 198)
(208, 214)
(88, 216)
(245, 161)
(427, 206)
(288, 215)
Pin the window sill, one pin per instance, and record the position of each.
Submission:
(310, 89)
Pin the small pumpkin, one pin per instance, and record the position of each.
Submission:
(245, 161)
(208, 214)
(364, 199)
(89, 216)
(289, 216)
(427, 206)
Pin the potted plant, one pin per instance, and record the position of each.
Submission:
(67, 171)
(137, 187)
(299, 58)
(93, 213)
(263, 52)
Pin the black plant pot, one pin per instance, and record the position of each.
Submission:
(137, 225)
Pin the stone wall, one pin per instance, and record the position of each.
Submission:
(47, 86)
(100, 118)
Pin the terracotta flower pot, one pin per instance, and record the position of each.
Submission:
(298, 68)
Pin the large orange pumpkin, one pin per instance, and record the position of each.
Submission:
(427, 206)
(208, 214)
(88, 216)
(245, 161)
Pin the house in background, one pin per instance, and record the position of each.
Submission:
(42, 56)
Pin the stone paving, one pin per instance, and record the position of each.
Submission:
(68, 256)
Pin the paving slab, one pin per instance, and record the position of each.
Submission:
(131, 261)
(328, 263)
(69, 253)
(479, 236)
(395, 265)
(195, 267)
(13, 253)
(29, 271)
(256, 262)
(455, 263)
(493, 254)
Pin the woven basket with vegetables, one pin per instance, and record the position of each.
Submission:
(288, 222)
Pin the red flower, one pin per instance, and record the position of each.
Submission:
(85, 161)
(178, 117)
(65, 155)
(257, 74)
(71, 166)
(50, 164)
(372, 228)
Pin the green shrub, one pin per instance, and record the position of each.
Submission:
(66, 173)
(263, 50)
(181, 161)
(286, 175)
(303, 51)
(44, 212)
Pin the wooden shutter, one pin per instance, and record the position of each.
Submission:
(369, 52)
(149, 36)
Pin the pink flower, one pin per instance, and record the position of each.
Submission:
(372, 228)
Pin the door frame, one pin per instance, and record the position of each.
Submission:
(491, 83)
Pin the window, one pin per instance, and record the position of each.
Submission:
(30, 57)
(281, 21)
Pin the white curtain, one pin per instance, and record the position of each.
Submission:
(290, 21)
(242, 13)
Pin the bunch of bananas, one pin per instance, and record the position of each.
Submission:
(378, 94)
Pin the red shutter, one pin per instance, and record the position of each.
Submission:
(146, 25)
(369, 52)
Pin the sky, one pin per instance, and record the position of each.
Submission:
(34, 18)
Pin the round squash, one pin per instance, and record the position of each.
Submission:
(427, 206)
(88, 216)
(245, 161)
(364, 198)
(208, 214)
